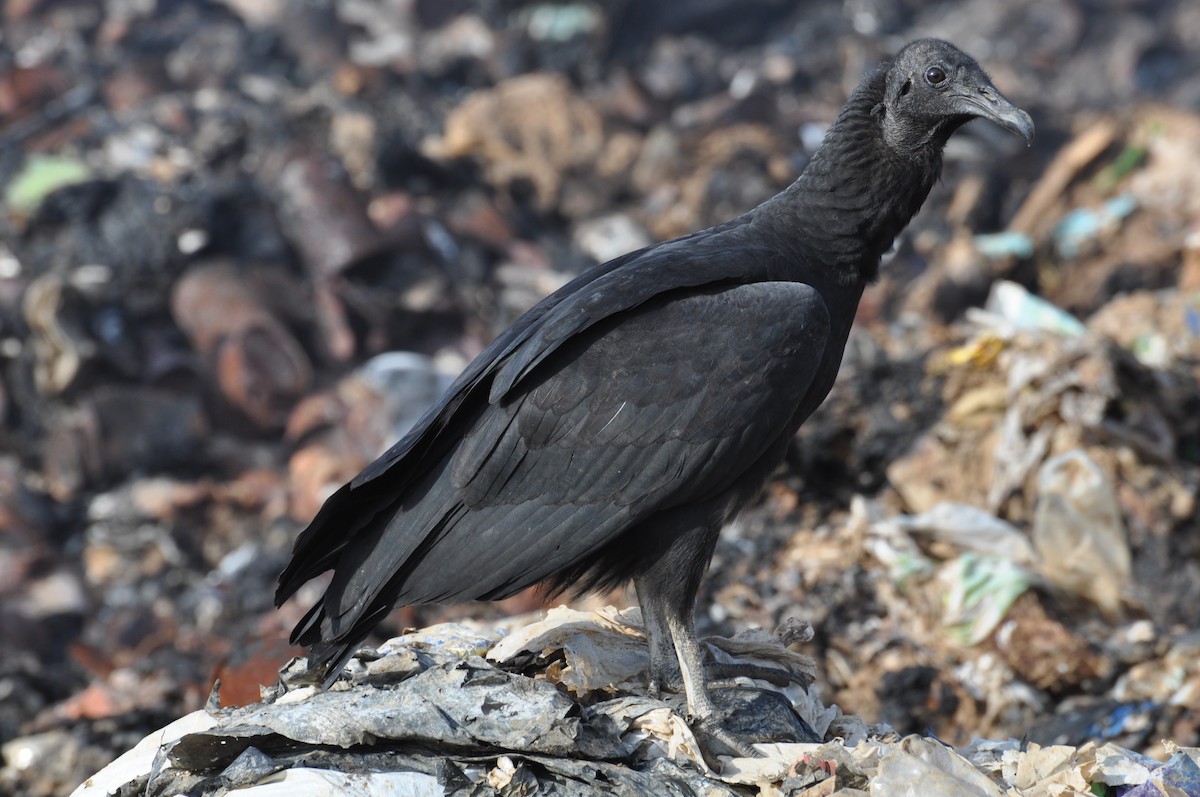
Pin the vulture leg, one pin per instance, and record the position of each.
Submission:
(667, 593)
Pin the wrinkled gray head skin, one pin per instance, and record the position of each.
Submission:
(933, 88)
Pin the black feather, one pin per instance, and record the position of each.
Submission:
(615, 427)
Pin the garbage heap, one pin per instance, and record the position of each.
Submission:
(558, 707)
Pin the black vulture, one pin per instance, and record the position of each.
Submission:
(612, 430)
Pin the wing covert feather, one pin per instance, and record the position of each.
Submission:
(635, 412)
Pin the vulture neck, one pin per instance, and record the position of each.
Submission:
(858, 192)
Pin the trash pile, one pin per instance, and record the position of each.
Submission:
(557, 707)
(244, 244)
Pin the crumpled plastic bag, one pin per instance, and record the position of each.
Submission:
(1079, 532)
(920, 767)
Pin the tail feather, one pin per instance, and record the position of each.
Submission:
(326, 658)
(308, 630)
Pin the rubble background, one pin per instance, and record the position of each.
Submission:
(242, 244)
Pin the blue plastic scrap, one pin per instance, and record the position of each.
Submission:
(999, 245)
(1180, 775)
(1116, 722)
(1082, 225)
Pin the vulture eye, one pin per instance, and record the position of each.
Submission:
(935, 75)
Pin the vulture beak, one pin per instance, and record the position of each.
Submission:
(988, 103)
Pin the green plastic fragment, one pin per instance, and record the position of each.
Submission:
(41, 176)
